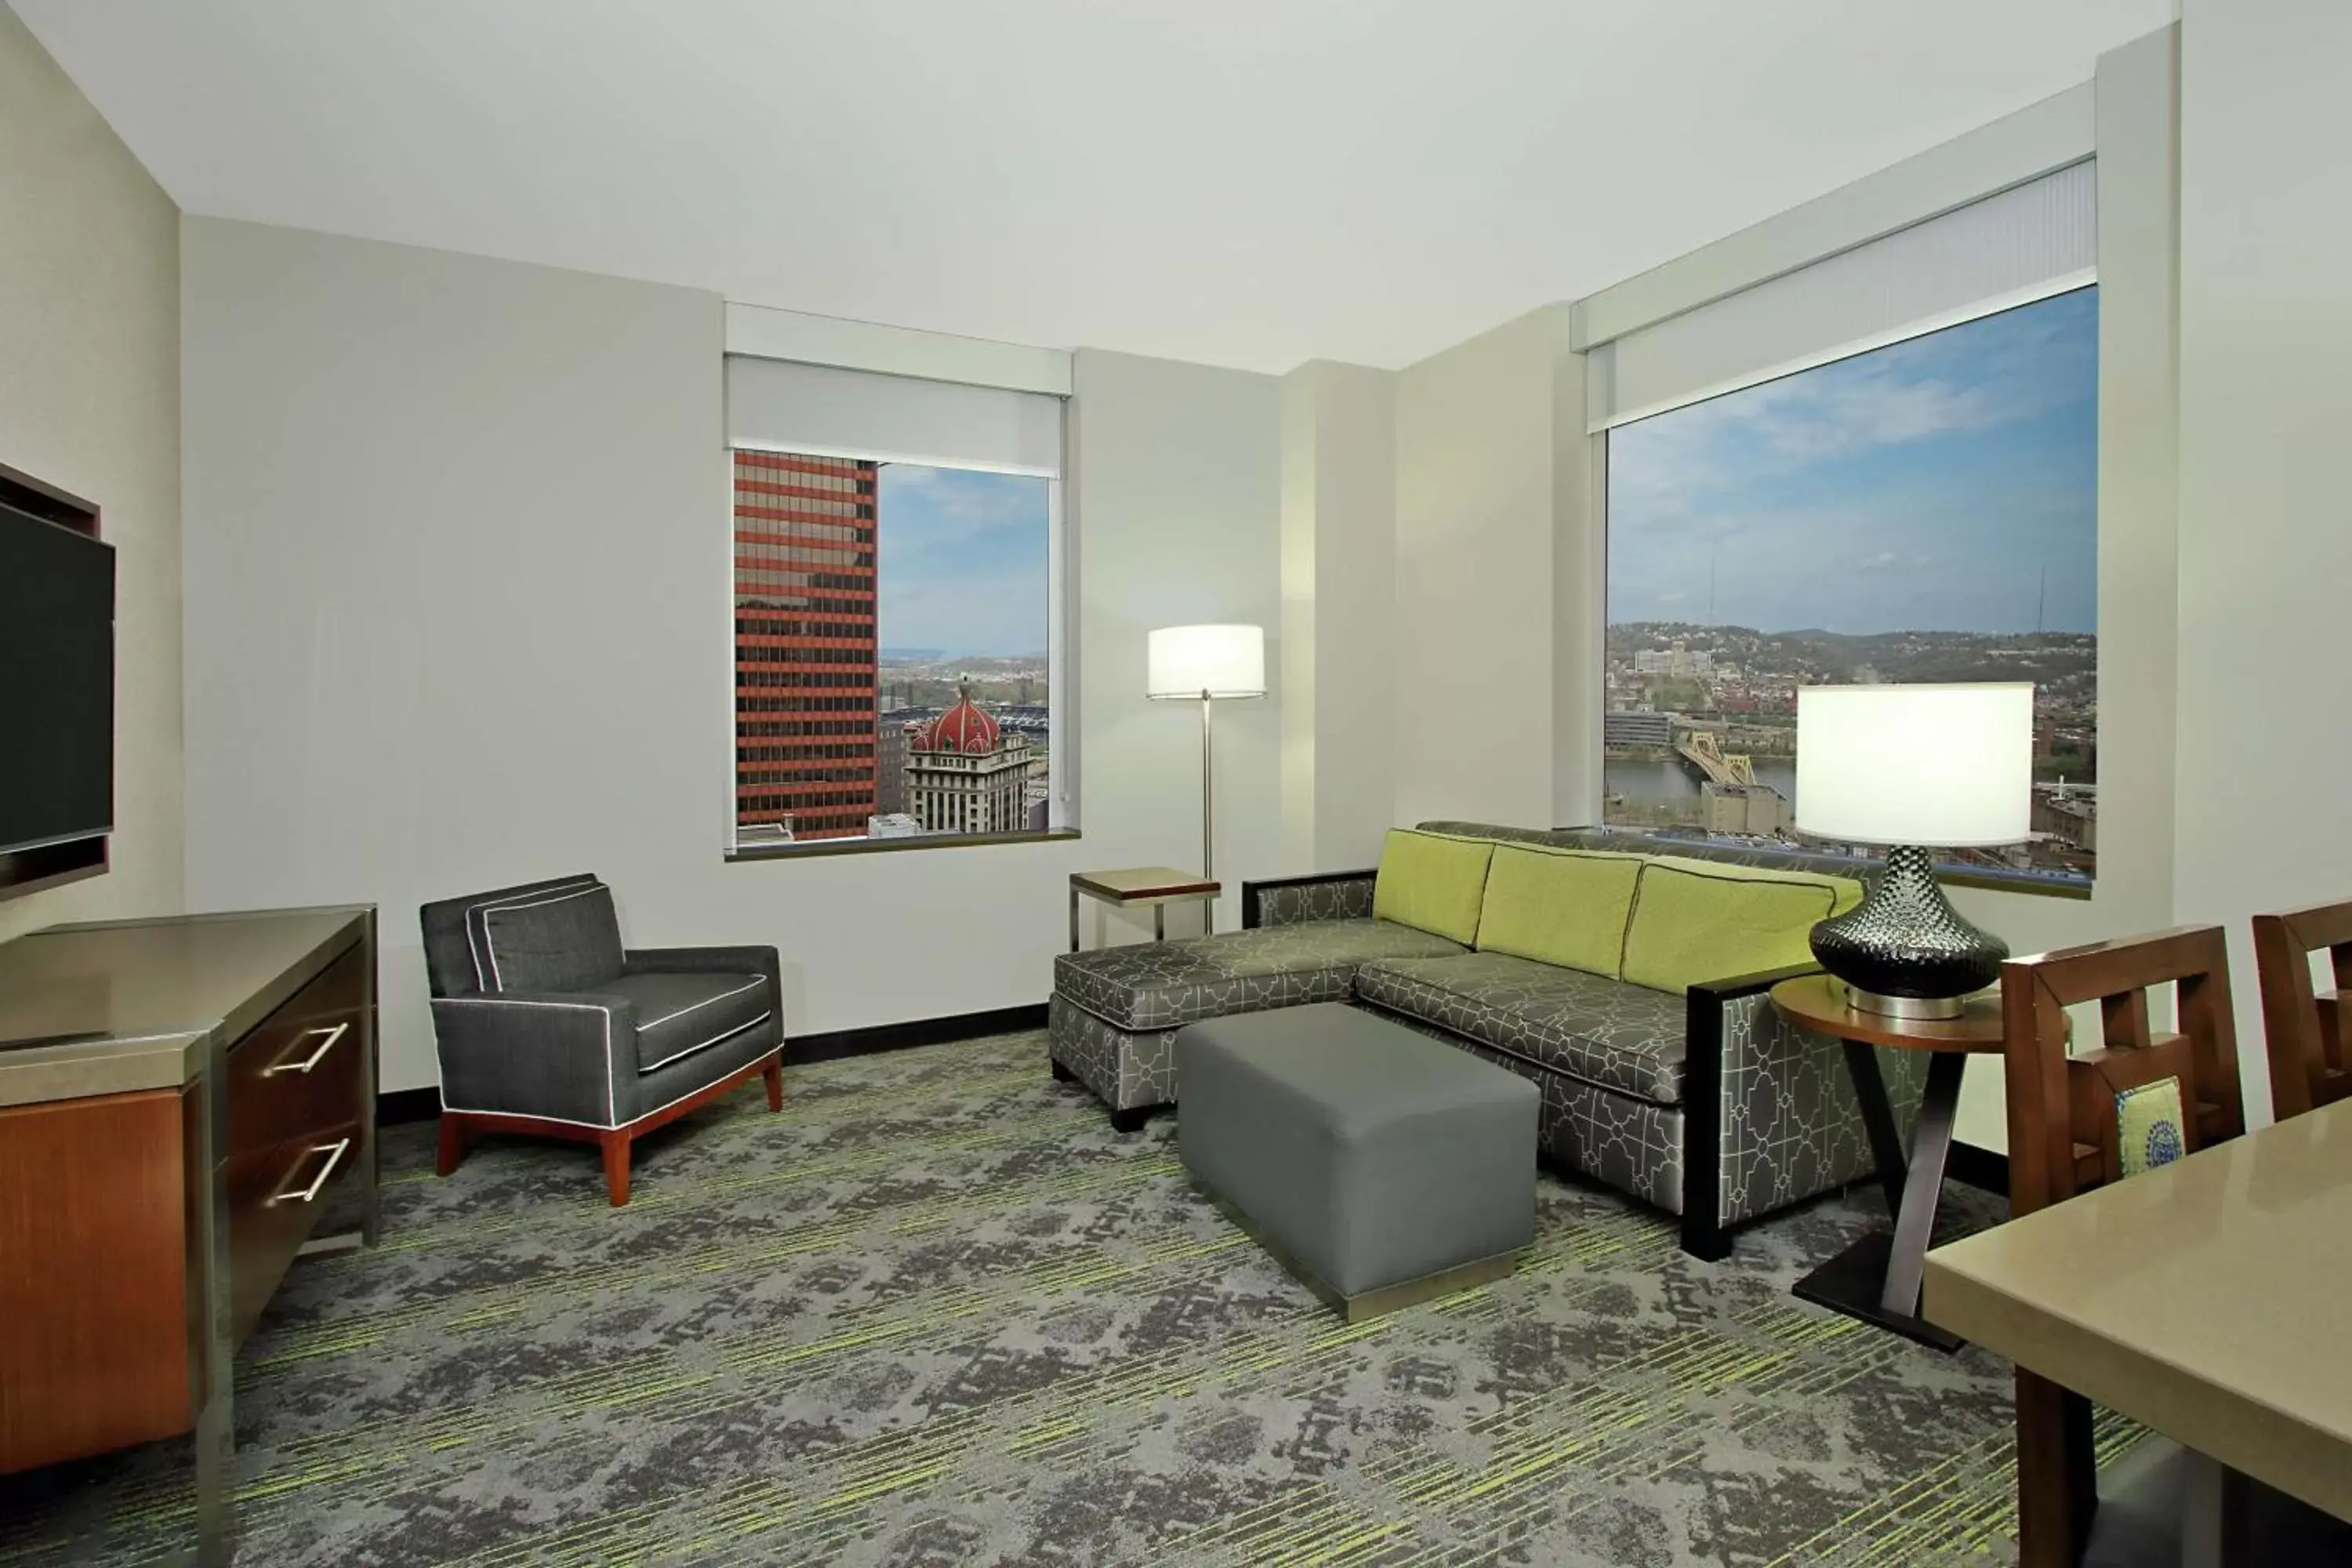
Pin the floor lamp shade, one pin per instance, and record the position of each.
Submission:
(1911, 767)
(1206, 661)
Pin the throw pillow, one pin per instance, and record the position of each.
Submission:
(1432, 882)
(1567, 907)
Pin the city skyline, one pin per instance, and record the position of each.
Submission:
(963, 564)
(1955, 472)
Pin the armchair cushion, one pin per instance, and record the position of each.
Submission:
(679, 1013)
(564, 941)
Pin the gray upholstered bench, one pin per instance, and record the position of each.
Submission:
(1381, 1166)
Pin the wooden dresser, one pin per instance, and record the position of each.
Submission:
(179, 1098)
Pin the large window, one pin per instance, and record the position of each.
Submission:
(891, 637)
(895, 610)
(1926, 511)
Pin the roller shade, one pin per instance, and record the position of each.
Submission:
(780, 405)
(2026, 243)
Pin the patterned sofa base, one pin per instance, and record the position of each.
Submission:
(1766, 1116)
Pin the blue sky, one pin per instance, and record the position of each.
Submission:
(1924, 487)
(962, 558)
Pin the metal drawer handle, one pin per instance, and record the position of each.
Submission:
(315, 1057)
(334, 1152)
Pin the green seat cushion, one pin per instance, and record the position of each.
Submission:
(1699, 920)
(1567, 907)
(1432, 882)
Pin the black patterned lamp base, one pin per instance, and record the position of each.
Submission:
(1904, 950)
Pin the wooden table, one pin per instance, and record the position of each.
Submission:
(2205, 1299)
(1878, 1278)
(1158, 886)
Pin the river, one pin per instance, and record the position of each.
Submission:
(1671, 779)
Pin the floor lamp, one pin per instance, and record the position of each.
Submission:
(1203, 664)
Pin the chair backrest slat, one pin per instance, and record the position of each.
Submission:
(2060, 1104)
(2305, 1028)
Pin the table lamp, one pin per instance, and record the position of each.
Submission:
(1911, 767)
(1204, 664)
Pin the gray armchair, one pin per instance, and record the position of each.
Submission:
(545, 1024)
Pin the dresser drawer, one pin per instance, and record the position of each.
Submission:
(299, 1074)
(295, 1087)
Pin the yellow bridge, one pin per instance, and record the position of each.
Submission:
(1704, 752)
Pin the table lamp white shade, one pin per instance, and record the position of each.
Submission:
(1206, 661)
(1949, 767)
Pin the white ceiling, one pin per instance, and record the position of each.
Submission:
(1249, 182)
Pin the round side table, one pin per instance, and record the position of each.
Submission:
(1878, 1278)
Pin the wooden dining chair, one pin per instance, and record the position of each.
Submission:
(2140, 1098)
(2304, 1026)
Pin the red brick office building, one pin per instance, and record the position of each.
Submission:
(805, 643)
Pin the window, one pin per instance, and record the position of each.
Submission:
(1924, 512)
(896, 613)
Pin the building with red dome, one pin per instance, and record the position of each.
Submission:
(965, 773)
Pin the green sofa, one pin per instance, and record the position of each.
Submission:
(1625, 977)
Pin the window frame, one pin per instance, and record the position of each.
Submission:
(2034, 883)
(1061, 758)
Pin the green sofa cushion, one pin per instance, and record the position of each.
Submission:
(1702, 919)
(1432, 882)
(1568, 907)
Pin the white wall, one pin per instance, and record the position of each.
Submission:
(1178, 502)
(1339, 607)
(457, 570)
(2265, 726)
(1477, 486)
(90, 401)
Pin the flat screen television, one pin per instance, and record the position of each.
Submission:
(57, 682)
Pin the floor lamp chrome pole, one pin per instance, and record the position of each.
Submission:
(1204, 664)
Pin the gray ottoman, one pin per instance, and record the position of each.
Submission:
(1381, 1166)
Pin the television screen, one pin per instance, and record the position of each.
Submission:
(57, 683)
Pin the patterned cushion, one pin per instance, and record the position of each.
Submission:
(2147, 1126)
(680, 1013)
(1162, 985)
(1432, 882)
(1620, 1036)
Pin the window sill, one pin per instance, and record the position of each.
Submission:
(822, 847)
(2031, 887)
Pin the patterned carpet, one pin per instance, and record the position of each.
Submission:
(937, 1313)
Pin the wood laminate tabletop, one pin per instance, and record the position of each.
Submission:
(1138, 883)
(1818, 1001)
(2206, 1298)
(112, 1007)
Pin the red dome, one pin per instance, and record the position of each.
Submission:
(962, 728)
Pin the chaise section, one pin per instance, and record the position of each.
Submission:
(1115, 1010)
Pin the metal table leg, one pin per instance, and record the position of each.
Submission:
(1073, 920)
(212, 1383)
(1878, 1278)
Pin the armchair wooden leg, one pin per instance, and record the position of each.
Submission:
(775, 1074)
(453, 1144)
(617, 1164)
